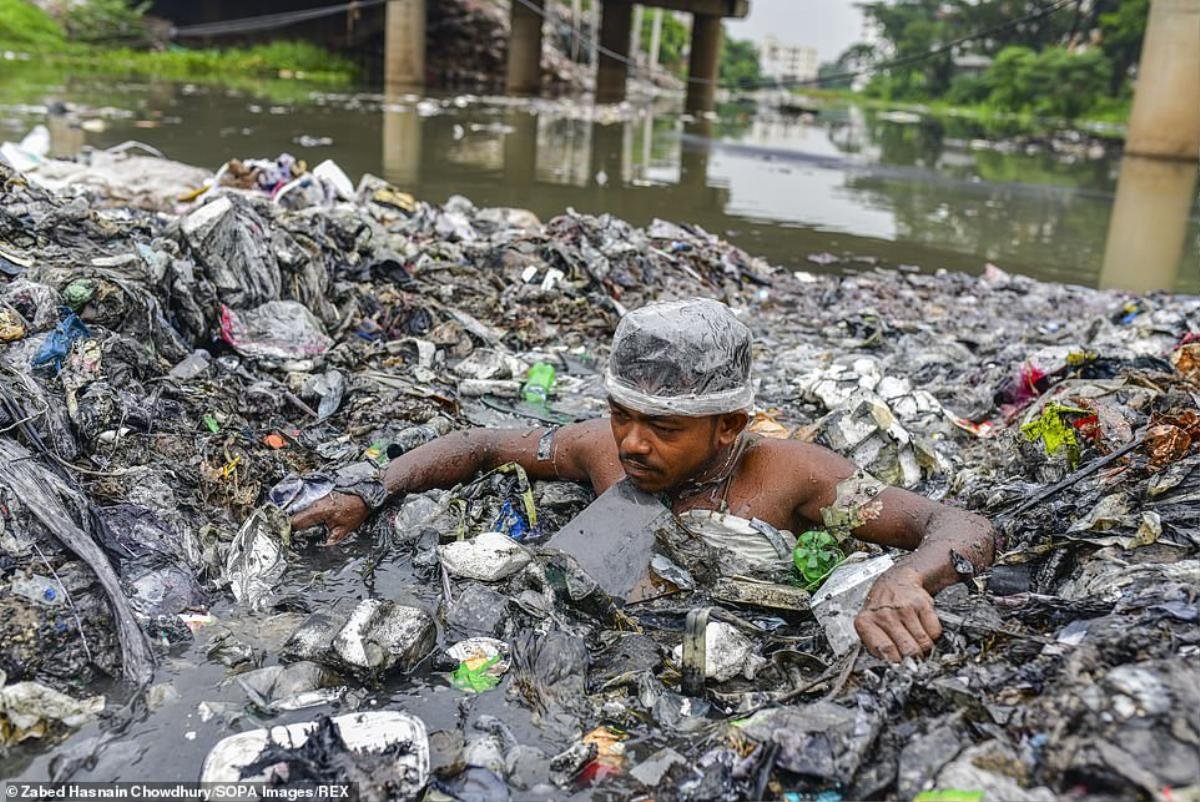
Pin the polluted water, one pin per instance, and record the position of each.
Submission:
(186, 362)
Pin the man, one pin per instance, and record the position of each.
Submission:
(679, 390)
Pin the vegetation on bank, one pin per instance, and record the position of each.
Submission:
(110, 36)
(1075, 63)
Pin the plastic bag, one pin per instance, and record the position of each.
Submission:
(681, 358)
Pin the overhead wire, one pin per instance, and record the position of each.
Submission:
(875, 68)
(286, 18)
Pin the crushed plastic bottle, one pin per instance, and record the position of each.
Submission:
(539, 383)
(416, 436)
(40, 589)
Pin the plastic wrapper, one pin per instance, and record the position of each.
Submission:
(681, 358)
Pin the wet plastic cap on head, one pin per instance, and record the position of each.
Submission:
(681, 358)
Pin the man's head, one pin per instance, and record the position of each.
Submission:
(679, 387)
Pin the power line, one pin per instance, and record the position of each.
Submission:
(267, 22)
(868, 70)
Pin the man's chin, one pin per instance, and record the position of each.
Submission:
(647, 484)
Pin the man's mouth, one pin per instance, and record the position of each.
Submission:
(637, 469)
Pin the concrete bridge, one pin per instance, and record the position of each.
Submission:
(401, 24)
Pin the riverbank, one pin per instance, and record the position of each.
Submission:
(1107, 123)
(28, 34)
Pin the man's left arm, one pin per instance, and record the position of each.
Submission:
(898, 618)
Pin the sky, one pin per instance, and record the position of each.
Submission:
(828, 25)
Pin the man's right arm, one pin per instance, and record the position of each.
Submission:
(578, 452)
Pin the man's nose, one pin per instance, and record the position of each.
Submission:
(636, 442)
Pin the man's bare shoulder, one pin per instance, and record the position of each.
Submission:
(799, 459)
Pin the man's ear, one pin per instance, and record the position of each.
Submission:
(729, 426)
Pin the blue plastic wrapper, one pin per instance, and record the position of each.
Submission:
(54, 350)
(511, 521)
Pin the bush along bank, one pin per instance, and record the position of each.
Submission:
(119, 44)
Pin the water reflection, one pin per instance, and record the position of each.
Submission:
(932, 193)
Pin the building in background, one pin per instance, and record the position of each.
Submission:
(788, 63)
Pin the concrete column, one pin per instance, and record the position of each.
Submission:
(616, 21)
(1149, 224)
(594, 39)
(525, 49)
(1166, 102)
(635, 33)
(401, 144)
(404, 44)
(703, 63)
(655, 40)
(576, 27)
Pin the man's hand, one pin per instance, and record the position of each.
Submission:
(898, 619)
(341, 513)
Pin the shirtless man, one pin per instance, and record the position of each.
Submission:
(679, 392)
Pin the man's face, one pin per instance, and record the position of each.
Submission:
(662, 452)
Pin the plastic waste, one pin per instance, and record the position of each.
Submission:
(415, 436)
(841, 598)
(56, 346)
(488, 557)
(275, 330)
(397, 738)
(195, 364)
(481, 663)
(41, 589)
(375, 636)
(12, 327)
(32, 710)
(257, 557)
(539, 383)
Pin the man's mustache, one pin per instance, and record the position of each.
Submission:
(635, 461)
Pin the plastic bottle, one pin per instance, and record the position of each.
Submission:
(414, 436)
(40, 589)
(539, 383)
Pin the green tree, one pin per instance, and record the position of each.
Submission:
(739, 63)
(1052, 83)
(1122, 30)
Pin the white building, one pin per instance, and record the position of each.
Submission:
(788, 63)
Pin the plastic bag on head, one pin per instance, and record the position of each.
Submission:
(681, 358)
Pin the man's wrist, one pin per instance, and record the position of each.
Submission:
(362, 480)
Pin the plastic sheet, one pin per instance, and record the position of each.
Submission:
(681, 358)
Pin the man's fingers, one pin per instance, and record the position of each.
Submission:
(876, 639)
(930, 621)
(916, 628)
(309, 516)
(892, 624)
(337, 535)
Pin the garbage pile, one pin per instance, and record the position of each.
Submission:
(467, 45)
(172, 382)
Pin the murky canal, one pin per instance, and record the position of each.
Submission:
(797, 189)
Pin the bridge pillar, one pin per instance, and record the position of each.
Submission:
(703, 64)
(404, 44)
(525, 48)
(616, 23)
(1165, 121)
